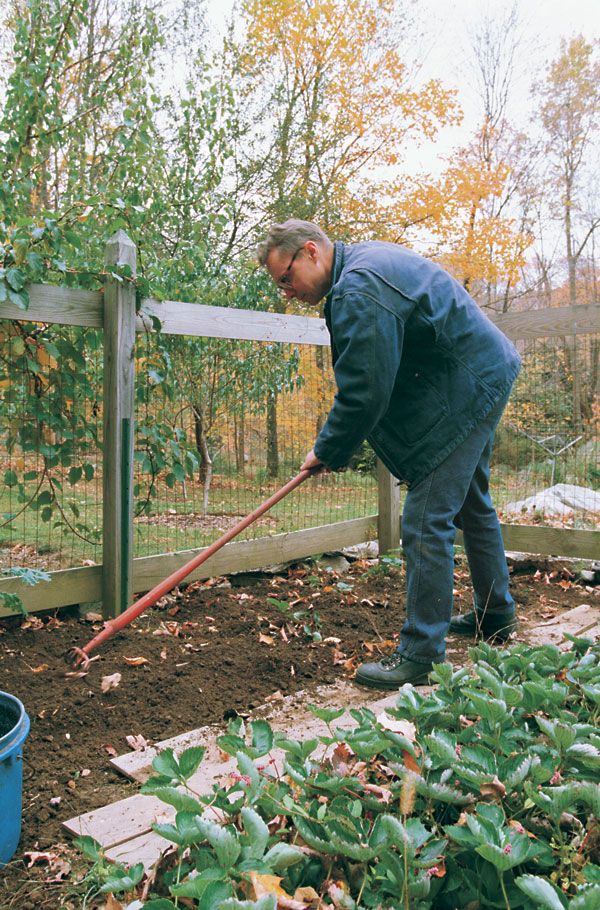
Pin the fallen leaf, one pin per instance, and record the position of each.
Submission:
(338, 892)
(173, 611)
(110, 682)
(405, 727)
(263, 885)
(93, 617)
(168, 628)
(137, 743)
(59, 871)
(58, 867)
(266, 639)
(382, 793)
(163, 654)
(410, 762)
(136, 661)
(309, 896)
(112, 903)
(110, 750)
(342, 759)
(33, 857)
(276, 696)
(493, 789)
(33, 623)
(163, 602)
(40, 669)
(338, 657)
(379, 646)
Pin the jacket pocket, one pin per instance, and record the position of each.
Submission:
(418, 412)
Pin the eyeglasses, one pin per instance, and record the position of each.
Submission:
(284, 281)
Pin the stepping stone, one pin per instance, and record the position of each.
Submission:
(124, 828)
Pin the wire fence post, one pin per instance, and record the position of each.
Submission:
(118, 425)
(388, 519)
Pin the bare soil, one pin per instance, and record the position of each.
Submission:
(217, 649)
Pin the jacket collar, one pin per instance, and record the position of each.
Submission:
(336, 271)
(338, 264)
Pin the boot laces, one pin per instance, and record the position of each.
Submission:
(392, 661)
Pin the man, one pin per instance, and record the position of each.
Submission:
(424, 376)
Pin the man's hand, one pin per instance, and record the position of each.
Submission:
(312, 462)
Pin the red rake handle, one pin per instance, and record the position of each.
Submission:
(147, 600)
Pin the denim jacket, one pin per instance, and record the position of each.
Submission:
(417, 364)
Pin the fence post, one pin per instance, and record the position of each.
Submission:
(118, 427)
(388, 518)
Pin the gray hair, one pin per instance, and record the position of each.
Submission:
(289, 237)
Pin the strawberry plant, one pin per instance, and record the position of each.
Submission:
(480, 794)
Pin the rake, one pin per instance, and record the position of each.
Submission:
(80, 656)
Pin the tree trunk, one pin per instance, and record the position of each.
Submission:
(469, 243)
(206, 468)
(572, 368)
(239, 427)
(272, 444)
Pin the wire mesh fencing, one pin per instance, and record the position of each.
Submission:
(546, 461)
(51, 463)
(242, 416)
(223, 423)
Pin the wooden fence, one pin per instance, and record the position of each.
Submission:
(115, 581)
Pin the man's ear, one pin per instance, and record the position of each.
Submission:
(311, 248)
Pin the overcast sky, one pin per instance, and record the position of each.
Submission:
(446, 25)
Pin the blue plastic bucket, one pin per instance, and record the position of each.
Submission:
(14, 727)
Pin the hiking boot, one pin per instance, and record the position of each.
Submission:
(392, 672)
(483, 626)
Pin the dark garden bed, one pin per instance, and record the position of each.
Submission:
(219, 648)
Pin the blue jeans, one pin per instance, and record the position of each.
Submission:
(455, 495)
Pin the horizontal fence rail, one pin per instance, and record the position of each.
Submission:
(71, 307)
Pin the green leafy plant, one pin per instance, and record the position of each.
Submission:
(306, 618)
(483, 792)
(29, 577)
(385, 565)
